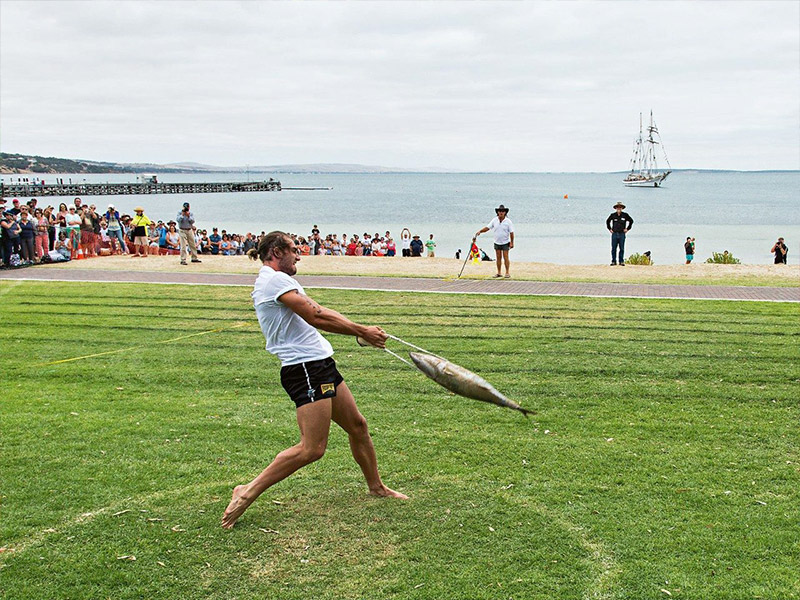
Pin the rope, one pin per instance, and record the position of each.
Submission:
(400, 357)
(394, 337)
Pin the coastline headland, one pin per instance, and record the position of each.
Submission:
(32, 190)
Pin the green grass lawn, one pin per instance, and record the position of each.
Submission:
(663, 461)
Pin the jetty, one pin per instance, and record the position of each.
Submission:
(34, 190)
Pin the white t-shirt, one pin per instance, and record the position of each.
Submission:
(288, 336)
(502, 230)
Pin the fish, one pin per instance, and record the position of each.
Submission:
(462, 381)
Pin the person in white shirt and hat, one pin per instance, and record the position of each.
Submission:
(503, 230)
(289, 320)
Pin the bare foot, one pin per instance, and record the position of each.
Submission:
(236, 508)
(385, 492)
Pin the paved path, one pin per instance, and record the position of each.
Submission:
(411, 284)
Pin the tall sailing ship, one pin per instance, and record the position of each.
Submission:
(644, 164)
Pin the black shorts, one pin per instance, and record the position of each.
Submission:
(310, 381)
(502, 246)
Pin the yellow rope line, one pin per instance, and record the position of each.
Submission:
(182, 337)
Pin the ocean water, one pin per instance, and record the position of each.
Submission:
(558, 217)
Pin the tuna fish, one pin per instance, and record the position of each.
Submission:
(461, 381)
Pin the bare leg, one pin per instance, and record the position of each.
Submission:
(315, 421)
(499, 254)
(506, 260)
(347, 416)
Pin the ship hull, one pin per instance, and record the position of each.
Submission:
(647, 181)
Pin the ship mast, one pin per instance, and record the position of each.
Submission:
(636, 160)
(644, 162)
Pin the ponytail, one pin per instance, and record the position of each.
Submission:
(268, 245)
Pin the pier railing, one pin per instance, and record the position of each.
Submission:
(31, 190)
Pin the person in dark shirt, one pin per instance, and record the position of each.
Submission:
(15, 210)
(11, 230)
(688, 247)
(416, 246)
(249, 243)
(780, 250)
(27, 233)
(618, 224)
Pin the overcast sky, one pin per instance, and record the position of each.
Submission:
(535, 86)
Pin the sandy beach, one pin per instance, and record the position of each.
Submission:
(442, 268)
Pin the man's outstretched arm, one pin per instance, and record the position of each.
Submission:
(329, 320)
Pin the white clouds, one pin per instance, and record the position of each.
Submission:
(506, 86)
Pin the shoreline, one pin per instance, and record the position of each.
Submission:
(448, 268)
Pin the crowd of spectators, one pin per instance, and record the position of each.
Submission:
(362, 245)
(34, 235)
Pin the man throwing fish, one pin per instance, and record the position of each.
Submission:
(288, 319)
(503, 230)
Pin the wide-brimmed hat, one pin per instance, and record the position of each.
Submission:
(501, 208)
(138, 209)
(618, 205)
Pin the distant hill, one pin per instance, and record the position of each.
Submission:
(21, 163)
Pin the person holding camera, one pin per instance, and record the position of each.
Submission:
(185, 221)
(780, 250)
(688, 247)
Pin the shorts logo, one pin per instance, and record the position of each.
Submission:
(326, 388)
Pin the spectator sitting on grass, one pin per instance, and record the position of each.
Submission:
(63, 246)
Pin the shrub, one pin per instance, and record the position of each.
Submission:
(639, 259)
(723, 258)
